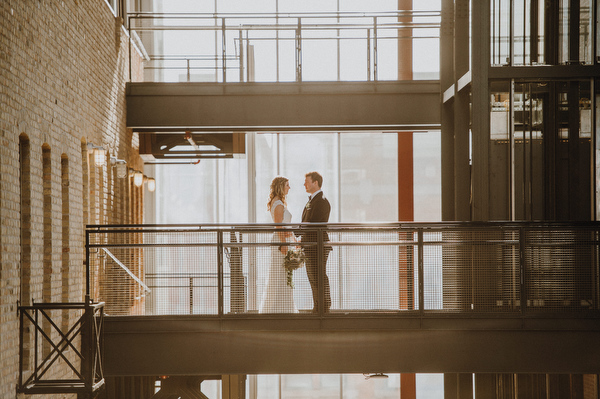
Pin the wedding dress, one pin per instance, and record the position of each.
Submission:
(278, 297)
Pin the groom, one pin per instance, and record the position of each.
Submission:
(316, 211)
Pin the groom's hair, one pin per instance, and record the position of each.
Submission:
(315, 176)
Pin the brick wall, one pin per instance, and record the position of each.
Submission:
(63, 69)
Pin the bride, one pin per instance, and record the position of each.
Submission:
(279, 297)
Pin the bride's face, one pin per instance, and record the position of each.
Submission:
(286, 188)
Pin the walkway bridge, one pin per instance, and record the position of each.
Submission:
(422, 298)
(281, 72)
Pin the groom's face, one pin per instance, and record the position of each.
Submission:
(310, 185)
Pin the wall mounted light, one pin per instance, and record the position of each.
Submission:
(99, 154)
(120, 167)
(151, 184)
(138, 178)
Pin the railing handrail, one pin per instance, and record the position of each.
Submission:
(374, 27)
(443, 267)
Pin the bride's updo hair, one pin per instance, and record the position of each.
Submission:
(277, 190)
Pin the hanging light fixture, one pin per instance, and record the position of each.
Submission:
(138, 178)
(99, 154)
(151, 184)
(120, 167)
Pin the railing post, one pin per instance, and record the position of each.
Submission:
(375, 48)
(368, 55)
(87, 265)
(522, 270)
(420, 271)
(129, 43)
(21, 346)
(220, 271)
(241, 62)
(191, 295)
(188, 69)
(321, 271)
(224, 49)
(86, 347)
(299, 51)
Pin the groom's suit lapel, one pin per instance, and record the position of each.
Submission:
(309, 208)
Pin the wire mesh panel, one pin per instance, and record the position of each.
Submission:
(373, 271)
(473, 270)
(561, 267)
(155, 272)
(451, 269)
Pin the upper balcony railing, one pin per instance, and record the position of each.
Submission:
(417, 269)
(284, 47)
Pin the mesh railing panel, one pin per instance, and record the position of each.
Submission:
(434, 269)
(373, 271)
(471, 270)
(561, 269)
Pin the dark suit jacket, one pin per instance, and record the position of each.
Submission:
(316, 211)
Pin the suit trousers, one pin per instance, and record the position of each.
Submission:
(313, 272)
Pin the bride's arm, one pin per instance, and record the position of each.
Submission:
(278, 218)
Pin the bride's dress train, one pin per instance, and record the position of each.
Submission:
(278, 297)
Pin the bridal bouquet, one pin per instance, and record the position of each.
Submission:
(294, 259)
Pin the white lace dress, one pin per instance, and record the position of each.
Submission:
(278, 296)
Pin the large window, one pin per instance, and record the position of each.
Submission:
(536, 32)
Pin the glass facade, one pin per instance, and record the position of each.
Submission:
(536, 32)
(540, 150)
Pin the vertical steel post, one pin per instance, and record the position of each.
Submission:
(299, 51)
(224, 50)
(522, 270)
(421, 271)
(241, 62)
(220, 271)
(375, 48)
(321, 271)
(369, 54)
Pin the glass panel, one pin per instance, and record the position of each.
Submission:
(528, 151)
(500, 50)
(303, 153)
(180, 201)
(427, 176)
(520, 32)
(499, 149)
(563, 32)
(430, 386)
(266, 147)
(369, 175)
(585, 32)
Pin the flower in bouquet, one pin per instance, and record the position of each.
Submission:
(294, 259)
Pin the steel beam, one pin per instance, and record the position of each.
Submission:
(306, 106)
(302, 344)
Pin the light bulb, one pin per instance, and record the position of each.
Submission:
(121, 169)
(138, 178)
(151, 184)
(99, 156)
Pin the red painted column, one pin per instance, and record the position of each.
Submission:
(408, 388)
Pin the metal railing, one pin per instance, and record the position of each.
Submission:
(401, 269)
(51, 334)
(230, 47)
